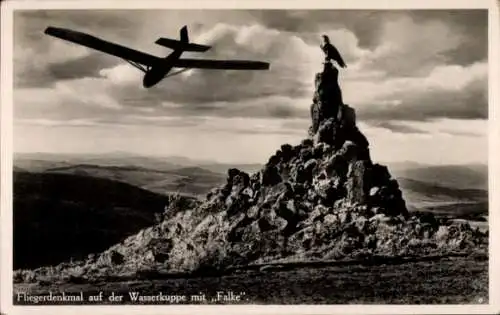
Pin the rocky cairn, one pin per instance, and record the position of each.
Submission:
(323, 199)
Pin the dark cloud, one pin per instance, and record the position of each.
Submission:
(464, 133)
(396, 43)
(413, 46)
(201, 90)
(264, 107)
(364, 23)
(87, 66)
(473, 24)
(29, 23)
(395, 126)
(36, 79)
(41, 60)
(367, 26)
(470, 102)
(231, 90)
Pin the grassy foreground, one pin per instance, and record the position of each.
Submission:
(446, 281)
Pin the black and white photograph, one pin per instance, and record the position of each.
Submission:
(226, 156)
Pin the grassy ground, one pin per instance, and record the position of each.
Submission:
(449, 281)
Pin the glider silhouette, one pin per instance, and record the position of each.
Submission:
(157, 68)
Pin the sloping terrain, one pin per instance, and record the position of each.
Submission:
(470, 176)
(422, 196)
(58, 216)
(462, 280)
(193, 181)
(419, 190)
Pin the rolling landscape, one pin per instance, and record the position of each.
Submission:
(425, 186)
(70, 207)
(107, 198)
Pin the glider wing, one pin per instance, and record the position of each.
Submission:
(221, 64)
(102, 45)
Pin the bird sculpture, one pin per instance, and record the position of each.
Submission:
(331, 53)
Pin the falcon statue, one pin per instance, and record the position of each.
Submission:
(331, 53)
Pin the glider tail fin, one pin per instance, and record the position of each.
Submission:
(182, 44)
(184, 34)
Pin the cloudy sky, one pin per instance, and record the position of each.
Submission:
(417, 79)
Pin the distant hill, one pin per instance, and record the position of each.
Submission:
(198, 181)
(38, 162)
(43, 161)
(418, 191)
(36, 165)
(222, 168)
(194, 181)
(422, 184)
(466, 203)
(59, 216)
(473, 176)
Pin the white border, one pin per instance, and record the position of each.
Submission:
(6, 111)
(493, 147)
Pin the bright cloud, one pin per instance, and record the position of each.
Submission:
(402, 77)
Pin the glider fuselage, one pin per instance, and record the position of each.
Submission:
(157, 68)
(160, 70)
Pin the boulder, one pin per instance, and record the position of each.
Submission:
(357, 185)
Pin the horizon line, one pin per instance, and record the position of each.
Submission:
(209, 160)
